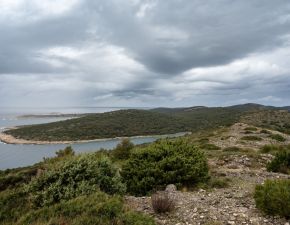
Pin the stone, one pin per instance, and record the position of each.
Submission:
(170, 188)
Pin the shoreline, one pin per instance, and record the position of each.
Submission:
(9, 139)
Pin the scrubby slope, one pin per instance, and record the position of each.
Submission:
(120, 123)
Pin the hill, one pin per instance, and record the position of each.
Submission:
(88, 188)
(131, 122)
(120, 123)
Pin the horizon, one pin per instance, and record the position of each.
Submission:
(148, 53)
(137, 107)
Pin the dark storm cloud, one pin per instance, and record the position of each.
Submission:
(166, 52)
(174, 36)
(20, 43)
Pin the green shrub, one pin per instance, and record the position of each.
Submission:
(13, 204)
(251, 138)
(250, 129)
(208, 146)
(281, 162)
(95, 209)
(68, 151)
(278, 137)
(164, 162)
(15, 179)
(77, 176)
(123, 149)
(219, 182)
(232, 149)
(273, 197)
(265, 132)
(248, 132)
(270, 148)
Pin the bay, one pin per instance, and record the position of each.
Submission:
(19, 155)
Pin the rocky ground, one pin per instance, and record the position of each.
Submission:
(233, 204)
(233, 135)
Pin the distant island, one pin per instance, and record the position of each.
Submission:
(159, 121)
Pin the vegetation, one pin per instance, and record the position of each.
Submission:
(232, 149)
(274, 148)
(83, 175)
(82, 189)
(162, 202)
(251, 129)
(273, 197)
(88, 188)
(17, 177)
(97, 208)
(218, 182)
(269, 119)
(68, 151)
(264, 131)
(162, 163)
(251, 138)
(281, 162)
(277, 137)
(122, 123)
(123, 149)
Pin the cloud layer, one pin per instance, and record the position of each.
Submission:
(144, 53)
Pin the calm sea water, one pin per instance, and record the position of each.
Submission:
(12, 156)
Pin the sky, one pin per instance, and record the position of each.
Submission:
(144, 53)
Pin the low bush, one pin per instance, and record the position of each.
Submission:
(232, 149)
(208, 146)
(251, 138)
(248, 132)
(219, 182)
(164, 162)
(80, 175)
(265, 132)
(15, 179)
(95, 209)
(68, 151)
(278, 137)
(281, 162)
(273, 197)
(270, 148)
(162, 202)
(250, 129)
(123, 149)
(13, 204)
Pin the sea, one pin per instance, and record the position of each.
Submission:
(20, 155)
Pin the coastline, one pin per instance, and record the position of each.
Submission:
(9, 139)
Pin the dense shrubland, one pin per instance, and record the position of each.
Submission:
(95, 209)
(88, 188)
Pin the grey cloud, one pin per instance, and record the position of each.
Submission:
(19, 44)
(218, 31)
(170, 39)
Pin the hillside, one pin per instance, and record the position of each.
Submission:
(124, 123)
(120, 123)
(69, 185)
